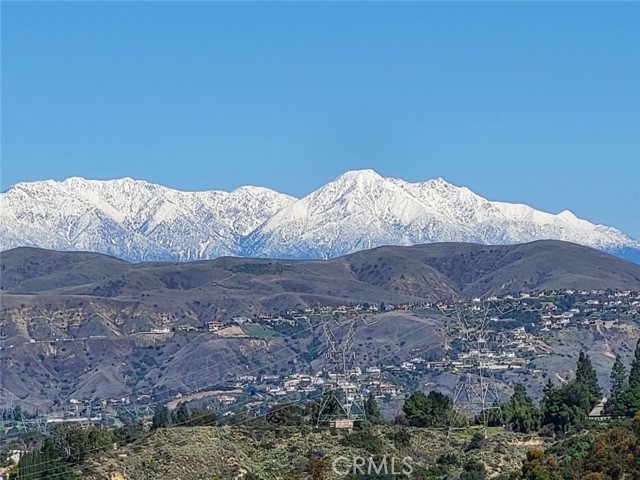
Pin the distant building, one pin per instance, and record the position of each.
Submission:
(597, 413)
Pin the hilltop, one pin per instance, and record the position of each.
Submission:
(389, 274)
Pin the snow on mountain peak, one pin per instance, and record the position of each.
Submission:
(138, 220)
(365, 175)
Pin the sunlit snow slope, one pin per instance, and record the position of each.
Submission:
(137, 220)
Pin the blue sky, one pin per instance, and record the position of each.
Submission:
(530, 102)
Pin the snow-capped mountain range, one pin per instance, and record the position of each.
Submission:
(140, 221)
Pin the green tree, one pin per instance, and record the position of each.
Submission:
(329, 403)
(520, 413)
(625, 399)
(628, 403)
(181, 415)
(72, 441)
(559, 406)
(201, 417)
(429, 410)
(161, 417)
(618, 378)
(570, 404)
(288, 414)
(634, 374)
(17, 413)
(43, 464)
(614, 405)
(99, 439)
(539, 466)
(586, 375)
(372, 411)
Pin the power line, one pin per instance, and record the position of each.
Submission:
(342, 398)
(276, 408)
(475, 394)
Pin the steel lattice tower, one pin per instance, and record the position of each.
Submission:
(5, 399)
(342, 397)
(475, 395)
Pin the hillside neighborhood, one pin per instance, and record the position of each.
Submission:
(515, 333)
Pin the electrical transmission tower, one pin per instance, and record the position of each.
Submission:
(342, 402)
(475, 395)
(6, 402)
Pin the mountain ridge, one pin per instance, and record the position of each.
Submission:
(78, 323)
(141, 221)
(433, 271)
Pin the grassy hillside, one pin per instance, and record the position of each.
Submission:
(279, 453)
(391, 274)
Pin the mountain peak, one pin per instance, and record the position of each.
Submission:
(440, 182)
(365, 175)
(137, 220)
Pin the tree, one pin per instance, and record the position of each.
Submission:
(586, 375)
(618, 387)
(181, 415)
(571, 403)
(41, 465)
(520, 413)
(17, 413)
(99, 438)
(202, 417)
(626, 399)
(161, 417)
(288, 414)
(330, 403)
(634, 374)
(71, 441)
(612, 452)
(372, 411)
(618, 378)
(429, 410)
(559, 406)
(539, 466)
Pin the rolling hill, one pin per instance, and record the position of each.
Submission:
(75, 322)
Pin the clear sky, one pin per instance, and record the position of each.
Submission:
(531, 102)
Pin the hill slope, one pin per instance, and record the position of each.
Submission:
(393, 274)
(74, 322)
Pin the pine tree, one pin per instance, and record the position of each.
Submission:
(371, 409)
(586, 377)
(615, 403)
(181, 415)
(520, 412)
(161, 417)
(618, 378)
(634, 374)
